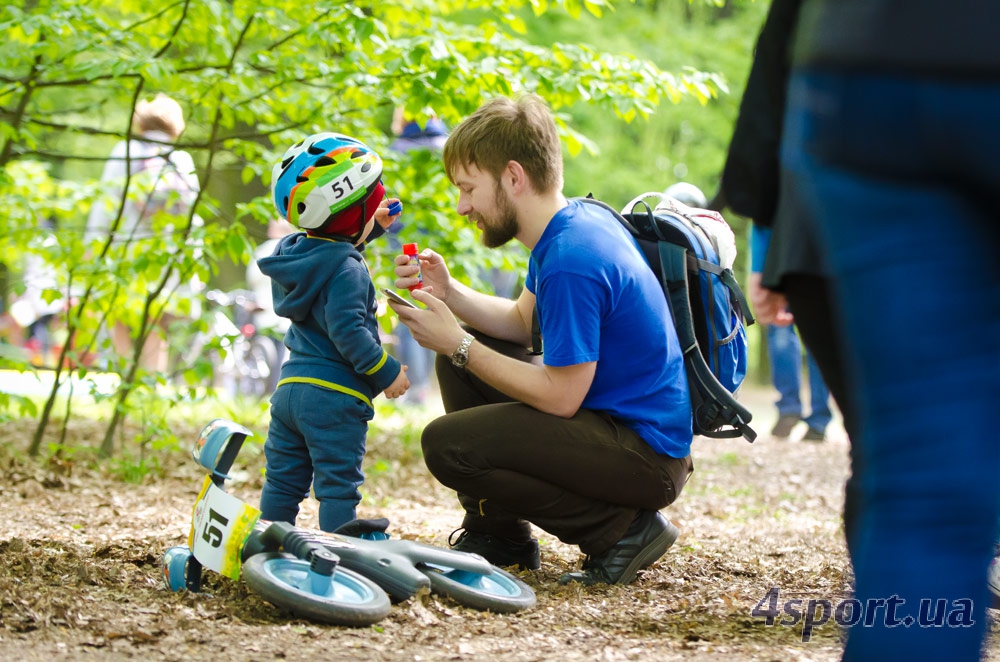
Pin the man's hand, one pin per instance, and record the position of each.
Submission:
(769, 307)
(557, 391)
(399, 386)
(434, 327)
(433, 271)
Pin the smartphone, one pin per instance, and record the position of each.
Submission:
(397, 298)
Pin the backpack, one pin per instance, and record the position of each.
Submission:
(164, 189)
(683, 245)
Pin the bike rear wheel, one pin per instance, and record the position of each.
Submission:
(283, 580)
(499, 592)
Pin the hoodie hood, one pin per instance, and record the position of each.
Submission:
(301, 267)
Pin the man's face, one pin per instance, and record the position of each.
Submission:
(483, 200)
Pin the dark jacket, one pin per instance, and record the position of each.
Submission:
(751, 177)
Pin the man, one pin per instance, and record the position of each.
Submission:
(158, 179)
(590, 442)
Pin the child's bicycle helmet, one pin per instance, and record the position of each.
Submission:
(328, 184)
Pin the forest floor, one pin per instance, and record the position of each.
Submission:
(80, 574)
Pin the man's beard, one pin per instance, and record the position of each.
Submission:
(498, 232)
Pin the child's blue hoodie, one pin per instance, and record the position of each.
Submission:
(323, 286)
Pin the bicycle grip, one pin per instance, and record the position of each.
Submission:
(300, 545)
(274, 535)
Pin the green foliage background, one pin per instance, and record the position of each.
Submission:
(645, 94)
(682, 141)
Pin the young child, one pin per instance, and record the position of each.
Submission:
(328, 185)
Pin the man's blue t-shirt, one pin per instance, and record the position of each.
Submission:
(598, 300)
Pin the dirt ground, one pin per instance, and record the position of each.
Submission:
(80, 571)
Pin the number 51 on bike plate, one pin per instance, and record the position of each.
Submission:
(219, 528)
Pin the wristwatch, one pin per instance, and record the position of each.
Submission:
(460, 357)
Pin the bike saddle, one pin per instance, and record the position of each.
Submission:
(369, 529)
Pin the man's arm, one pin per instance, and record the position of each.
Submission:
(769, 307)
(558, 391)
(498, 317)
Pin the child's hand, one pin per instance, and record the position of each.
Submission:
(399, 386)
(382, 216)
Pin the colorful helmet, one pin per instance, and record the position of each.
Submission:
(328, 183)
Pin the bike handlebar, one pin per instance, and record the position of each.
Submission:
(282, 535)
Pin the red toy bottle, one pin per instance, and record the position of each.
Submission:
(411, 250)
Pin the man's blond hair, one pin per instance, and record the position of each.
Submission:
(504, 130)
(161, 114)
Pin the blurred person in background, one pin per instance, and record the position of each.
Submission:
(264, 317)
(687, 193)
(785, 356)
(412, 135)
(160, 178)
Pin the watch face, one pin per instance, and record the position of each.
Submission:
(461, 355)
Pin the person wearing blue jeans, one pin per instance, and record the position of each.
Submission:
(784, 351)
(893, 147)
(413, 136)
(785, 354)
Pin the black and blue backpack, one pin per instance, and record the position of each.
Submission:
(692, 251)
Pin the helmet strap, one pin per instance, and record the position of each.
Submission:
(365, 231)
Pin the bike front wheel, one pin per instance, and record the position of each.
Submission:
(283, 580)
(499, 592)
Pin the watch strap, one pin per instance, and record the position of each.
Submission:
(460, 357)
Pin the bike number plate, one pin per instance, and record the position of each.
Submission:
(219, 528)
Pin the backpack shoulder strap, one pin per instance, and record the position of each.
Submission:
(712, 406)
(536, 334)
